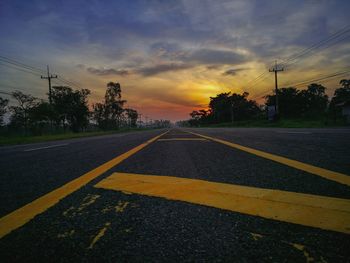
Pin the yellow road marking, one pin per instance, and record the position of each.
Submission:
(66, 234)
(100, 234)
(310, 210)
(88, 200)
(24, 214)
(328, 174)
(182, 139)
(121, 206)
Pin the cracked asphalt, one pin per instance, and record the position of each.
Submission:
(98, 225)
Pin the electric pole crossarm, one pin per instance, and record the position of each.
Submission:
(49, 77)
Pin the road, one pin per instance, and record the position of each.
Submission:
(217, 195)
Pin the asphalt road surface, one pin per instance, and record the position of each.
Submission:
(202, 195)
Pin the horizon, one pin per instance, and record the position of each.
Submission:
(171, 57)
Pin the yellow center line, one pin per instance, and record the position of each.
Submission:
(24, 214)
(328, 174)
(182, 139)
(309, 210)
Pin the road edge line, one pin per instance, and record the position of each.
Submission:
(24, 214)
(324, 173)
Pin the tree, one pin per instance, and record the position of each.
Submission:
(242, 108)
(220, 107)
(298, 103)
(108, 114)
(3, 109)
(314, 100)
(21, 113)
(114, 104)
(70, 107)
(341, 95)
(199, 117)
(289, 102)
(225, 107)
(132, 116)
(99, 115)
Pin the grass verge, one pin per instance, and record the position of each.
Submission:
(11, 140)
(283, 123)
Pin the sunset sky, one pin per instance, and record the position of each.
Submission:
(170, 56)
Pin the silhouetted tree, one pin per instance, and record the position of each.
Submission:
(132, 116)
(114, 104)
(242, 108)
(289, 102)
(293, 103)
(314, 100)
(225, 107)
(109, 113)
(3, 109)
(199, 117)
(40, 117)
(341, 95)
(21, 114)
(70, 107)
(99, 115)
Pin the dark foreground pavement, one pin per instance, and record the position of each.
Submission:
(99, 225)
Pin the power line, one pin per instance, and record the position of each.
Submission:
(316, 45)
(309, 81)
(20, 64)
(297, 56)
(20, 69)
(332, 75)
(71, 83)
(33, 70)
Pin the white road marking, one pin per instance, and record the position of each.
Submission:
(296, 132)
(46, 147)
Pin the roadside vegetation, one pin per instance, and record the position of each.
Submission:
(10, 140)
(67, 114)
(310, 107)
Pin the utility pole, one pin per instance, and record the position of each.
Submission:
(276, 69)
(232, 111)
(49, 77)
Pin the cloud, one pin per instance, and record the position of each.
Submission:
(107, 71)
(233, 72)
(154, 70)
(80, 66)
(215, 56)
(214, 67)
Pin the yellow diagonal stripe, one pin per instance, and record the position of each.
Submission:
(304, 209)
(24, 214)
(328, 174)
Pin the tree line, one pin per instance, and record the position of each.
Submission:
(68, 110)
(311, 103)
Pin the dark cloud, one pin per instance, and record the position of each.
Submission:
(171, 51)
(80, 66)
(212, 67)
(107, 71)
(214, 56)
(154, 70)
(232, 71)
